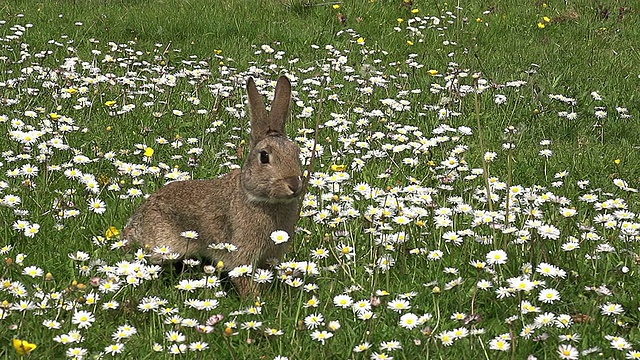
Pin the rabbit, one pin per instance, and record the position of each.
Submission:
(242, 207)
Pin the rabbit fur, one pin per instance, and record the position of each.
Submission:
(242, 208)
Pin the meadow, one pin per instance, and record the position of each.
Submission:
(473, 172)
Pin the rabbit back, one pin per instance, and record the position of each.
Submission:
(219, 211)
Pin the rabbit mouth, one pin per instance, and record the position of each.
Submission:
(282, 191)
(280, 199)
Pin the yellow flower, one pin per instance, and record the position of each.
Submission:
(338, 167)
(55, 116)
(433, 72)
(23, 347)
(360, 40)
(217, 51)
(112, 232)
(336, 6)
(415, 11)
(400, 20)
(617, 161)
(541, 25)
(148, 152)
(546, 19)
(110, 103)
(409, 42)
(479, 20)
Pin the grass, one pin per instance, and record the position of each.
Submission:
(421, 108)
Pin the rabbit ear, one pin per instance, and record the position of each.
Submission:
(259, 124)
(280, 107)
(273, 124)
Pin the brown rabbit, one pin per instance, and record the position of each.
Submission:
(242, 208)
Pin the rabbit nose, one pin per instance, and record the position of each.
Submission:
(295, 184)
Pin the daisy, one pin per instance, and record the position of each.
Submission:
(76, 353)
(447, 338)
(609, 309)
(51, 324)
(321, 336)
(279, 237)
(262, 276)
(320, 253)
(499, 344)
(177, 349)
(240, 271)
(313, 321)
(380, 356)
(362, 305)
(97, 206)
(84, 319)
(549, 296)
(496, 257)
(32, 271)
(175, 336)
(343, 301)
(569, 352)
(198, 346)
(398, 305)
(390, 345)
(362, 347)
(409, 321)
(114, 349)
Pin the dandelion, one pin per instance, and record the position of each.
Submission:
(112, 232)
(23, 347)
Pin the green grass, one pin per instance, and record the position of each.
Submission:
(395, 147)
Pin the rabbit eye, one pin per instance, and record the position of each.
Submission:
(264, 157)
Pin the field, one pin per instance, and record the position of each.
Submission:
(473, 171)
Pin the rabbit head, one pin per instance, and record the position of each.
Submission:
(272, 171)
